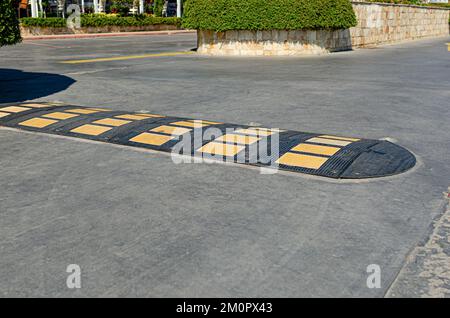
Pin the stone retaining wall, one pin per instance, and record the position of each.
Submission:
(36, 31)
(378, 23)
(387, 23)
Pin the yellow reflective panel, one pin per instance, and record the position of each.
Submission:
(332, 142)
(84, 111)
(190, 124)
(34, 105)
(205, 122)
(171, 130)
(101, 109)
(255, 132)
(151, 139)
(112, 122)
(316, 149)
(131, 117)
(238, 139)
(14, 109)
(91, 130)
(340, 138)
(60, 115)
(149, 115)
(302, 161)
(221, 149)
(38, 122)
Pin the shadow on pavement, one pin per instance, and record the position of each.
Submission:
(18, 86)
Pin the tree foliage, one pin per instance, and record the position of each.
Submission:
(9, 23)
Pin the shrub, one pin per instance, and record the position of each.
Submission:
(9, 24)
(158, 7)
(99, 20)
(222, 15)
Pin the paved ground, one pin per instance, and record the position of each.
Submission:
(139, 225)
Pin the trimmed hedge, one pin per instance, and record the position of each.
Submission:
(222, 15)
(9, 24)
(96, 20)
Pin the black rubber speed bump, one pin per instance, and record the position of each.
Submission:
(316, 154)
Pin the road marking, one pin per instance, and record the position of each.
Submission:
(316, 149)
(60, 115)
(91, 130)
(4, 114)
(151, 139)
(111, 122)
(38, 122)
(302, 161)
(14, 109)
(171, 130)
(221, 149)
(123, 58)
(238, 139)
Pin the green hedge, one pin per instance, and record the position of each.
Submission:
(96, 20)
(222, 15)
(9, 24)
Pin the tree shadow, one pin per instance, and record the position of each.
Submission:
(19, 86)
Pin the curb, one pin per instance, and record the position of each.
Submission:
(97, 35)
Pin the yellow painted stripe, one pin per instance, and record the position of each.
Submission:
(316, 149)
(91, 130)
(4, 114)
(38, 122)
(332, 142)
(340, 138)
(151, 139)
(302, 161)
(112, 122)
(221, 149)
(60, 115)
(14, 109)
(238, 139)
(178, 131)
(128, 57)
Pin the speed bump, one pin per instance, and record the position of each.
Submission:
(326, 155)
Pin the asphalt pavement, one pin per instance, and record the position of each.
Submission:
(139, 225)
